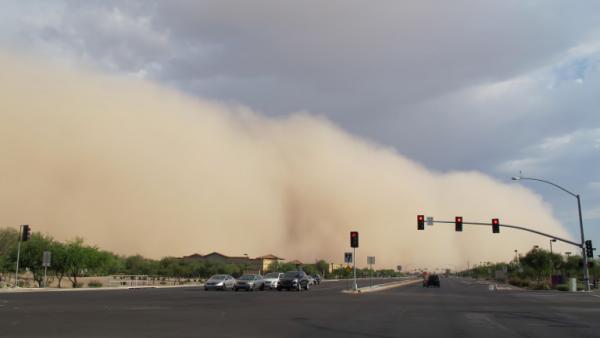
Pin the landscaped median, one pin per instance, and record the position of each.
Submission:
(384, 286)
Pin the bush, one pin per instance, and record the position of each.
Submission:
(516, 281)
(562, 287)
(78, 285)
(541, 286)
(95, 284)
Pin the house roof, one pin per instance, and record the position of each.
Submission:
(296, 262)
(216, 254)
(270, 256)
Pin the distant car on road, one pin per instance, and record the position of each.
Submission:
(249, 283)
(272, 279)
(219, 282)
(294, 280)
(317, 279)
(432, 280)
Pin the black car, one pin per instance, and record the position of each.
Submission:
(432, 280)
(294, 280)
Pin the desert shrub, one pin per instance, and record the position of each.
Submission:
(95, 284)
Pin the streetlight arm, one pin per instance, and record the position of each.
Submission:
(548, 182)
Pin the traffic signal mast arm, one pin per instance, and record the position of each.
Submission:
(519, 228)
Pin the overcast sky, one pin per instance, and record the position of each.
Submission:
(496, 87)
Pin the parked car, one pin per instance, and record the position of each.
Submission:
(249, 283)
(311, 280)
(272, 279)
(317, 279)
(432, 280)
(294, 280)
(219, 282)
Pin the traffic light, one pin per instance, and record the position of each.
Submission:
(458, 223)
(420, 222)
(354, 239)
(495, 225)
(26, 234)
(589, 250)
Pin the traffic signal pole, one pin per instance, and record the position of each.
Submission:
(586, 272)
(354, 267)
(519, 228)
(18, 256)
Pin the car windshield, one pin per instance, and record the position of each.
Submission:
(218, 277)
(291, 274)
(247, 277)
(272, 275)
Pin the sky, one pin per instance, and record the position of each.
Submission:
(464, 86)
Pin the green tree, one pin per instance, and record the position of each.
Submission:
(31, 255)
(539, 263)
(322, 266)
(82, 260)
(60, 261)
(8, 244)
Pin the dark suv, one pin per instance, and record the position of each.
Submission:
(294, 280)
(432, 280)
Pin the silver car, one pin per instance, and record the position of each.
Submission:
(272, 279)
(220, 282)
(249, 283)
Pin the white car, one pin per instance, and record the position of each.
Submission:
(272, 279)
(220, 282)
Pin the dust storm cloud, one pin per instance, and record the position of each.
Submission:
(136, 168)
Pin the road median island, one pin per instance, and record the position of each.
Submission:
(384, 286)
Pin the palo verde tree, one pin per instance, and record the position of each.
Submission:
(32, 255)
(81, 260)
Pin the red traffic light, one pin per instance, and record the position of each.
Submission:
(354, 239)
(458, 223)
(495, 225)
(420, 222)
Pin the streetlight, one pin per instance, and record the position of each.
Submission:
(552, 240)
(516, 256)
(586, 273)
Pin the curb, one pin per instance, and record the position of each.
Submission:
(382, 287)
(116, 288)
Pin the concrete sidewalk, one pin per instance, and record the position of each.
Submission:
(28, 290)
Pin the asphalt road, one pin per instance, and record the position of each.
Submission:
(460, 308)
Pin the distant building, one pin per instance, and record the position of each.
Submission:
(251, 265)
(335, 266)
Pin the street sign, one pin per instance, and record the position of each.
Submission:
(370, 259)
(429, 220)
(347, 257)
(46, 258)
(348, 268)
(399, 268)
